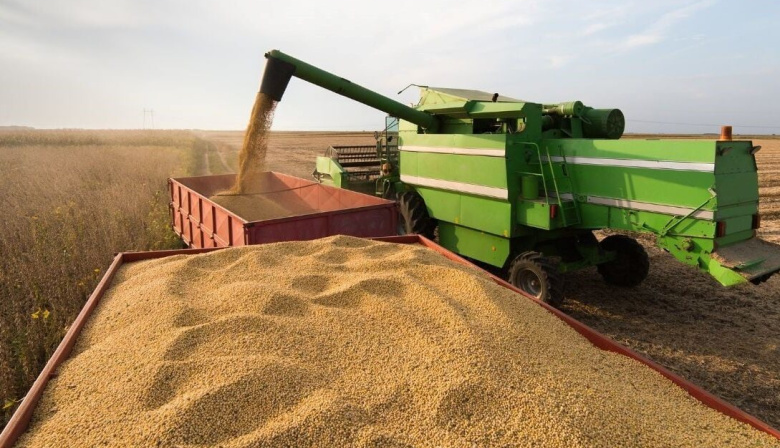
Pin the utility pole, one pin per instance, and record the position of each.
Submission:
(150, 112)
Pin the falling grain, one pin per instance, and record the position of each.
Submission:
(251, 159)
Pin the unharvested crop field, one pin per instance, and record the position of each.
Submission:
(725, 340)
(70, 200)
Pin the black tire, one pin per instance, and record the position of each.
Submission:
(414, 215)
(631, 265)
(537, 276)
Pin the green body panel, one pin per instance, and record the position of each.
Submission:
(688, 150)
(485, 214)
(335, 175)
(473, 157)
(334, 171)
(481, 246)
(630, 174)
(485, 171)
(529, 188)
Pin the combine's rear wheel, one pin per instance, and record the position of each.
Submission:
(631, 264)
(414, 215)
(538, 276)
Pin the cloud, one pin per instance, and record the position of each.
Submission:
(557, 61)
(594, 28)
(600, 19)
(74, 13)
(658, 30)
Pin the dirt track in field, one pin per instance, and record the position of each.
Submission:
(725, 340)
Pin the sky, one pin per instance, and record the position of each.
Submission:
(670, 66)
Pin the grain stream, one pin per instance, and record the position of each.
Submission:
(251, 159)
(348, 342)
(249, 197)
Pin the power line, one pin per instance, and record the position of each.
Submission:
(702, 124)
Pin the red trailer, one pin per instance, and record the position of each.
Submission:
(202, 223)
(21, 418)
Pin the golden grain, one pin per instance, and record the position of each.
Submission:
(251, 159)
(347, 342)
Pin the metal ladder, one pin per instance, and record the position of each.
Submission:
(565, 207)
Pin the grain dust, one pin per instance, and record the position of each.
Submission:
(347, 342)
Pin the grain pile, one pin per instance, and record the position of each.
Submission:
(346, 342)
(263, 206)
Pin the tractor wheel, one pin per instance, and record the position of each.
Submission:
(538, 276)
(414, 215)
(630, 266)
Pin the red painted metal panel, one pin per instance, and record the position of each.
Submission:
(197, 204)
(237, 233)
(185, 200)
(223, 223)
(208, 223)
(334, 211)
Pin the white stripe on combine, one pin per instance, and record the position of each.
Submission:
(644, 206)
(480, 190)
(489, 152)
(636, 163)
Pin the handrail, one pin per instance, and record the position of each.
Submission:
(555, 184)
(541, 171)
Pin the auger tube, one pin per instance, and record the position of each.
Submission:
(281, 67)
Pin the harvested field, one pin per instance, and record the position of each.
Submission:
(725, 340)
(288, 152)
(363, 344)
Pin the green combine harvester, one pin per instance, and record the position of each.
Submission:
(521, 186)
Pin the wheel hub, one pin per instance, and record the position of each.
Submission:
(530, 283)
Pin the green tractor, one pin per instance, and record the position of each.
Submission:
(521, 186)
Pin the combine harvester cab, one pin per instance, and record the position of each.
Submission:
(522, 186)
